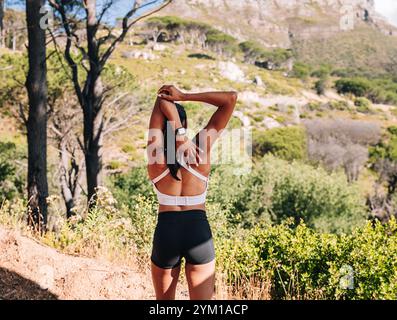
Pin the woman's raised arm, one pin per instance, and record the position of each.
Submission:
(224, 100)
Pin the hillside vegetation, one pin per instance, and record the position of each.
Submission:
(311, 215)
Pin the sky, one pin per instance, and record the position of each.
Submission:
(387, 8)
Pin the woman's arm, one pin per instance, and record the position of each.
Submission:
(155, 142)
(166, 110)
(224, 100)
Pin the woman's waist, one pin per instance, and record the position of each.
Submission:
(178, 213)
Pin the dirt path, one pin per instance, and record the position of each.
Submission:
(29, 270)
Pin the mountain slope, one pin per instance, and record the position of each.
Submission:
(300, 25)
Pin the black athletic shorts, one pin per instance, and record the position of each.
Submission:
(182, 234)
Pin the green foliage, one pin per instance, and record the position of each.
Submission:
(322, 72)
(255, 52)
(276, 190)
(392, 130)
(219, 40)
(363, 105)
(320, 86)
(302, 264)
(127, 187)
(341, 105)
(215, 39)
(107, 230)
(357, 86)
(12, 180)
(301, 70)
(385, 149)
(287, 142)
(376, 90)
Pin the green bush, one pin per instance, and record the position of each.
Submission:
(376, 90)
(276, 190)
(385, 149)
(302, 264)
(301, 70)
(287, 143)
(357, 86)
(322, 72)
(255, 52)
(320, 86)
(126, 187)
(12, 180)
(340, 105)
(363, 105)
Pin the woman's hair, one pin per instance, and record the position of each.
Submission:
(169, 137)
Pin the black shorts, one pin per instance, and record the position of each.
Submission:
(182, 234)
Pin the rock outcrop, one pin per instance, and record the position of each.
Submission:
(275, 23)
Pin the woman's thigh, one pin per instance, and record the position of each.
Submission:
(165, 282)
(201, 280)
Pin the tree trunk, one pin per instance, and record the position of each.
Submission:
(1, 22)
(70, 176)
(93, 153)
(36, 85)
(93, 114)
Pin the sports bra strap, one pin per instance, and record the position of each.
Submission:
(193, 172)
(161, 176)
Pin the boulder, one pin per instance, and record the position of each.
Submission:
(258, 81)
(231, 71)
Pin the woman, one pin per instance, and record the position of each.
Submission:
(179, 169)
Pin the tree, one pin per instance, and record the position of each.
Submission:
(1, 21)
(341, 143)
(36, 85)
(100, 41)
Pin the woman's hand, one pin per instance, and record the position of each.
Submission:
(188, 151)
(171, 93)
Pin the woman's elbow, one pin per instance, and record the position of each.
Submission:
(233, 98)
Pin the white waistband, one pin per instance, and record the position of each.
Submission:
(167, 200)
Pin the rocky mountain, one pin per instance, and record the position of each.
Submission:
(344, 33)
(276, 23)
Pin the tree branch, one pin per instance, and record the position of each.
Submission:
(68, 55)
(127, 26)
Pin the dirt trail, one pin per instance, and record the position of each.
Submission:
(29, 270)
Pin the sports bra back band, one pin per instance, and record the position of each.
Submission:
(167, 200)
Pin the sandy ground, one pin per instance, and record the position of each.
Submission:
(29, 270)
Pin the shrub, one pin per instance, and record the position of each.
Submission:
(221, 42)
(287, 143)
(357, 86)
(377, 90)
(302, 264)
(322, 72)
(301, 71)
(276, 190)
(320, 86)
(126, 187)
(256, 53)
(340, 105)
(12, 180)
(363, 105)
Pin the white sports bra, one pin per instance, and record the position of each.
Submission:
(167, 200)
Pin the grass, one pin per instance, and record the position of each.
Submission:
(363, 48)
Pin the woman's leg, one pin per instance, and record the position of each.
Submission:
(165, 281)
(201, 280)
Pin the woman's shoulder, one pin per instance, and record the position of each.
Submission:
(155, 169)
